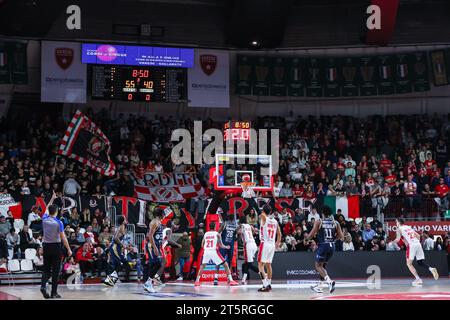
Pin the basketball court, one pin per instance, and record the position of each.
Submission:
(391, 289)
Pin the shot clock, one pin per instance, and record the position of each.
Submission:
(141, 84)
(236, 131)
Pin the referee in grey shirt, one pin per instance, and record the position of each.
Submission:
(53, 231)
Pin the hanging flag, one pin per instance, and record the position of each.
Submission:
(86, 143)
(350, 79)
(403, 63)
(403, 70)
(2, 59)
(386, 72)
(386, 84)
(348, 205)
(332, 74)
(332, 83)
(295, 80)
(439, 68)
(167, 187)
(419, 72)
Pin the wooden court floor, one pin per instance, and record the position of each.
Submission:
(389, 289)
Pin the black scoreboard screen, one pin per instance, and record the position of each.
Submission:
(144, 84)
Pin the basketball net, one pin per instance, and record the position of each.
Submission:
(247, 189)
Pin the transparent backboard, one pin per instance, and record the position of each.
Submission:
(233, 169)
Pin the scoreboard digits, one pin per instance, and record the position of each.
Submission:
(146, 84)
(138, 85)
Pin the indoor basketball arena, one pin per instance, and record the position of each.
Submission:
(235, 150)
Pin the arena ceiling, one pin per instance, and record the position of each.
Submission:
(223, 23)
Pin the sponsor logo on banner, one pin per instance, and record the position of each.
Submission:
(301, 272)
(208, 62)
(63, 76)
(208, 80)
(64, 57)
(433, 227)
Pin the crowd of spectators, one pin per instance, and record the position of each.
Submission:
(402, 159)
(378, 158)
(359, 234)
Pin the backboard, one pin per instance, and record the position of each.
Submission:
(233, 169)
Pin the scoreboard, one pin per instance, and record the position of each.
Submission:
(236, 131)
(144, 84)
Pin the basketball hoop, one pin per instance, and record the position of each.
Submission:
(247, 189)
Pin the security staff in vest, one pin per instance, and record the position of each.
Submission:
(53, 235)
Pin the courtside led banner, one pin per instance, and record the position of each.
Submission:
(137, 56)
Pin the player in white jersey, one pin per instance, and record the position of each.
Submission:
(166, 236)
(413, 251)
(270, 236)
(250, 248)
(210, 244)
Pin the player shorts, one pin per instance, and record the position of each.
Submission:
(212, 256)
(227, 253)
(415, 250)
(266, 252)
(324, 252)
(250, 251)
(153, 258)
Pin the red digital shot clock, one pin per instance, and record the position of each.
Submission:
(236, 131)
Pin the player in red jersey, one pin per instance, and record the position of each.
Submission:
(210, 244)
(270, 237)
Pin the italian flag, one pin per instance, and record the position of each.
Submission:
(348, 205)
(7, 203)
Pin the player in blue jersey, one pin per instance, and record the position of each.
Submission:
(154, 249)
(117, 260)
(327, 231)
(228, 230)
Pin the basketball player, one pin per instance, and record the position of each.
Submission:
(154, 249)
(328, 231)
(250, 248)
(167, 235)
(117, 260)
(270, 236)
(413, 250)
(210, 244)
(228, 232)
